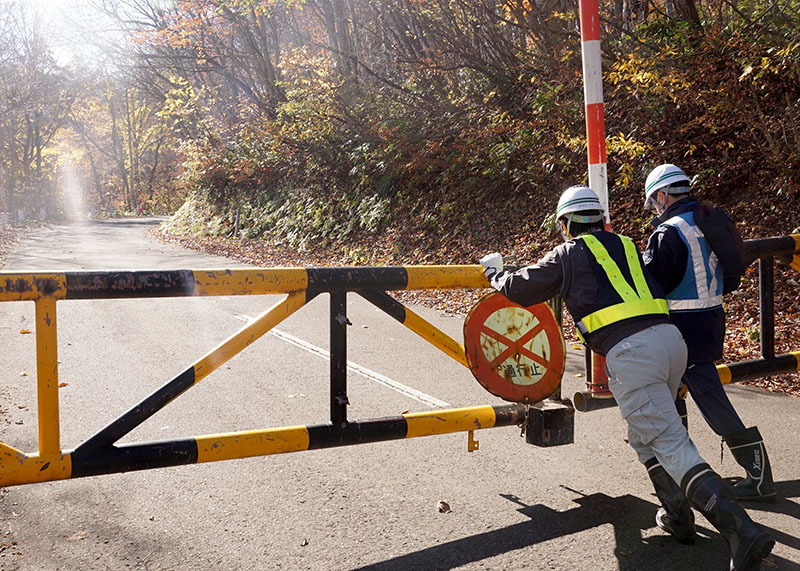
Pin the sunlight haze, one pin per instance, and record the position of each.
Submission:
(75, 29)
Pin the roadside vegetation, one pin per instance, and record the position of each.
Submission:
(9, 236)
(413, 131)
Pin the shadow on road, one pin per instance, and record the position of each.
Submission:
(627, 514)
(150, 221)
(786, 506)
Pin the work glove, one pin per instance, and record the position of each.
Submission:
(492, 263)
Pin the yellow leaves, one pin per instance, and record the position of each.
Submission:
(516, 10)
(639, 74)
(24, 331)
(181, 102)
(747, 71)
(627, 145)
(625, 175)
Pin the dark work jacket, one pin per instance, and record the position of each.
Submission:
(571, 270)
(665, 258)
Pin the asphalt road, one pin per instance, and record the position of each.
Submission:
(588, 505)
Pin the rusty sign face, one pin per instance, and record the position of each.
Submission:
(517, 353)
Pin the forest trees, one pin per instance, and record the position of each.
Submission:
(126, 149)
(351, 101)
(34, 99)
(353, 109)
(65, 125)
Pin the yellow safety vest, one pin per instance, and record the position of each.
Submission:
(634, 303)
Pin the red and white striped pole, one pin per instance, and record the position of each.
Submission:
(597, 381)
(593, 101)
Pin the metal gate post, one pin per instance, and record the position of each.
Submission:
(766, 298)
(47, 376)
(557, 305)
(339, 323)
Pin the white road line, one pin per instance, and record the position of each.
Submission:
(356, 368)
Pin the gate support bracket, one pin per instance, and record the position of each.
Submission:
(472, 444)
(551, 423)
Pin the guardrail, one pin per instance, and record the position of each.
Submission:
(766, 251)
(100, 454)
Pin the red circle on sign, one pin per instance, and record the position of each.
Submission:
(516, 353)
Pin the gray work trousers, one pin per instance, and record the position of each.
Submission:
(644, 373)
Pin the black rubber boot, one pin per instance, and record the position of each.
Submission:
(748, 449)
(749, 543)
(675, 515)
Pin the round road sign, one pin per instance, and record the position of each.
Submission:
(517, 353)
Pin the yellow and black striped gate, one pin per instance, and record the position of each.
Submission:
(100, 454)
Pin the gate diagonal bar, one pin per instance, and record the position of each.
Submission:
(100, 454)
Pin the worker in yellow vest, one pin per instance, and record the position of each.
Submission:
(620, 312)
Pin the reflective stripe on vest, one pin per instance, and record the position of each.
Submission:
(635, 303)
(696, 290)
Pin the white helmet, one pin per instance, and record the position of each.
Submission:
(663, 176)
(576, 200)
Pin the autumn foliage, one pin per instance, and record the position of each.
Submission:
(403, 132)
(447, 126)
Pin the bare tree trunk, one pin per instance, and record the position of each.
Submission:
(356, 55)
(335, 16)
(98, 183)
(342, 37)
(12, 170)
(37, 152)
(134, 200)
(687, 10)
(118, 152)
(152, 179)
(618, 5)
(27, 161)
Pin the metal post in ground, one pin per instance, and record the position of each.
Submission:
(766, 298)
(339, 323)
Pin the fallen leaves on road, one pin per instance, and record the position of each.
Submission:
(78, 535)
(9, 237)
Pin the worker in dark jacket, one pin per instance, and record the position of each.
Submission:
(680, 258)
(620, 312)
